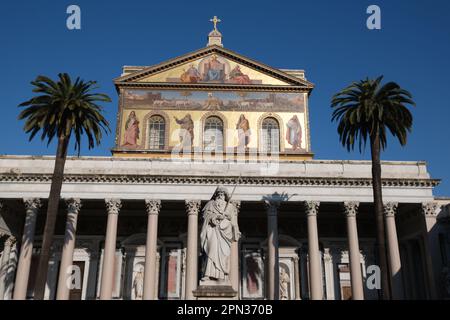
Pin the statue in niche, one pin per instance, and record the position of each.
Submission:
(284, 284)
(138, 284)
(219, 230)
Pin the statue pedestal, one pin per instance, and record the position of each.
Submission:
(215, 292)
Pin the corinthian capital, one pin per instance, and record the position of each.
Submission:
(350, 208)
(390, 209)
(73, 205)
(153, 206)
(311, 207)
(429, 209)
(32, 204)
(192, 207)
(113, 206)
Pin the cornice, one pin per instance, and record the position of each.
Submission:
(215, 180)
(216, 87)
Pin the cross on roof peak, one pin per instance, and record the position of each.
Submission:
(215, 20)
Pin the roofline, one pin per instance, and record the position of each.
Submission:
(325, 161)
(206, 50)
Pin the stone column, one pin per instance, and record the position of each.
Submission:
(4, 264)
(394, 261)
(153, 207)
(113, 207)
(192, 208)
(234, 255)
(350, 210)
(429, 214)
(298, 295)
(32, 206)
(273, 272)
(65, 268)
(315, 270)
(329, 274)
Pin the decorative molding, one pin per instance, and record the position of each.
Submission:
(153, 206)
(350, 208)
(215, 180)
(307, 124)
(113, 206)
(192, 207)
(32, 205)
(206, 87)
(311, 207)
(390, 209)
(119, 117)
(429, 209)
(73, 205)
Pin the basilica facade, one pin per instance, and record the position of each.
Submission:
(131, 225)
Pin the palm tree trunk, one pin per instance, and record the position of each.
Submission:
(52, 211)
(378, 204)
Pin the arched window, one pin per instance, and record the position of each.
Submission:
(157, 133)
(213, 134)
(270, 136)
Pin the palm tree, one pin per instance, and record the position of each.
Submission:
(61, 109)
(366, 111)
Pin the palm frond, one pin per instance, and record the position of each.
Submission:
(367, 109)
(64, 107)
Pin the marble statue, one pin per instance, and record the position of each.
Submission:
(284, 284)
(138, 284)
(219, 230)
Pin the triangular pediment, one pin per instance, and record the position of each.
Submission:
(213, 65)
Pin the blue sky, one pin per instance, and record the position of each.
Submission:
(328, 39)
